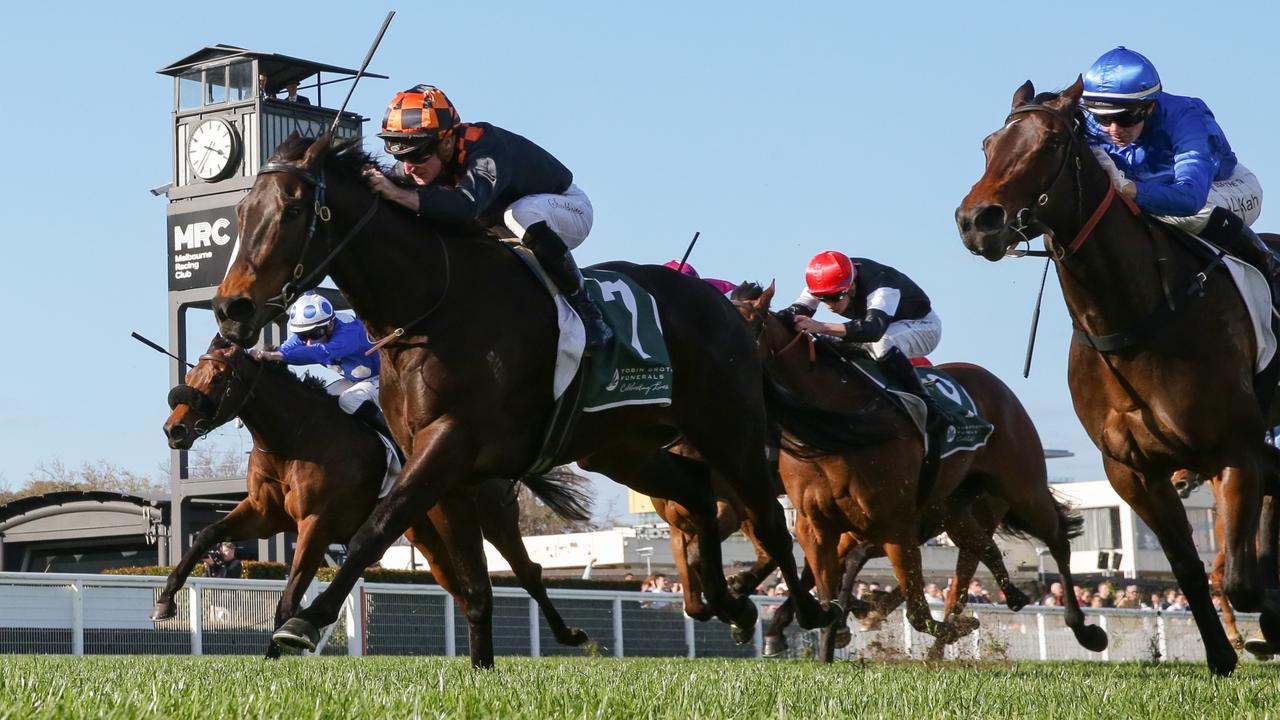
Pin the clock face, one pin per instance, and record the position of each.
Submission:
(211, 149)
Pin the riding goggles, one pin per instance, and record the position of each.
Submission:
(416, 152)
(834, 297)
(1125, 119)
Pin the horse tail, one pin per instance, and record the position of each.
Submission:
(1069, 520)
(816, 432)
(563, 491)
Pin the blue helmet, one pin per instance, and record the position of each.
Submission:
(1118, 81)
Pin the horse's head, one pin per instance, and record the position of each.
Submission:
(771, 333)
(212, 393)
(1026, 159)
(279, 220)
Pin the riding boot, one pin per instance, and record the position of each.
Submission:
(370, 415)
(556, 259)
(899, 369)
(1228, 231)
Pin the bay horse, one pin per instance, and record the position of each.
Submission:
(1161, 367)
(872, 492)
(468, 358)
(316, 471)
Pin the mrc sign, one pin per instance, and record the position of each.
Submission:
(202, 245)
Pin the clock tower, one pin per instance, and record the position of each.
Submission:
(231, 108)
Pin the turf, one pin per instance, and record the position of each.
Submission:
(384, 687)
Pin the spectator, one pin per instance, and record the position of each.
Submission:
(931, 592)
(977, 593)
(1107, 592)
(676, 587)
(628, 578)
(222, 562)
(291, 93)
(1096, 601)
(1131, 599)
(659, 583)
(1157, 601)
(648, 583)
(1055, 595)
(1170, 596)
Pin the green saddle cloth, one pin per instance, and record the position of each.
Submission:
(969, 430)
(633, 368)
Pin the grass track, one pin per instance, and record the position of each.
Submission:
(384, 687)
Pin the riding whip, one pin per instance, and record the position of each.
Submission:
(369, 56)
(1035, 322)
(688, 250)
(159, 349)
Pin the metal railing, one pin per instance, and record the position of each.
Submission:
(110, 614)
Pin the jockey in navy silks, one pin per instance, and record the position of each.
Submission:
(1168, 154)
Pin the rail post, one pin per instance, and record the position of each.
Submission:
(535, 634)
(617, 626)
(195, 615)
(77, 617)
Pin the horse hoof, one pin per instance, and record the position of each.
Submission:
(872, 620)
(742, 635)
(746, 619)
(963, 625)
(701, 615)
(164, 611)
(1259, 648)
(273, 652)
(843, 637)
(1015, 599)
(575, 638)
(297, 633)
(858, 608)
(1237, 642)
(1269, 623)
(774, 645)
(1223, 666)
(1092, 638)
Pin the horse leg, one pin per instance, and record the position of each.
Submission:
(906, 567)
(957, 595)
(967, 533)
(307, 556)
(502, 529)
(855, 556)
(686, 557)
(244, 521)
(1157, 503)
(1238, 490)
(775, 641)
(746, 582)
(441, 459)
(687, 482)
(821, 549)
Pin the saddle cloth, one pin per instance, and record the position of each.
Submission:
(634, 368)
(969, 433)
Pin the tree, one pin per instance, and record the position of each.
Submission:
(55, 476)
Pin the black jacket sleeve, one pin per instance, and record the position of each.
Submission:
(481, 182)
(867, 329)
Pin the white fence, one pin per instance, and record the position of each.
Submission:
(110, 614)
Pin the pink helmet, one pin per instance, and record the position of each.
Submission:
(688, 269)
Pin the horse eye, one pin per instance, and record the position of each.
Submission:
(292, 212)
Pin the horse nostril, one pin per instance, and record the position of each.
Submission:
(991, 217)
(240, 310)
(177, 431)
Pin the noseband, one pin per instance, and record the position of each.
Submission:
(184, 394)
(1026, 218)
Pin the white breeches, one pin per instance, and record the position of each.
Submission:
(915, 338)
(1241, 194)
(352, 395)
(569, 215)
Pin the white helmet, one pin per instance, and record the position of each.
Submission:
(310, 311)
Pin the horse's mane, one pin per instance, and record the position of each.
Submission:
(1079, 126)
(747, 291)
(349, 159)
(829, 349)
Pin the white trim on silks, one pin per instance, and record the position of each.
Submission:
(620, 403)
(569, 349)
(393, 466)
(1094, 95)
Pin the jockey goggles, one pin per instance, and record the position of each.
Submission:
(833, 298)
(316, 333)
(1125, 119)
(416, 151)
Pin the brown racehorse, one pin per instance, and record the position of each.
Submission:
(873, 492)
(316, 471)
(467, 373)
(1171, 383)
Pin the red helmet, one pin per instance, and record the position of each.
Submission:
(829, 273)
(416, 116)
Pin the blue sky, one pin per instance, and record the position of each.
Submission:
(776, 133)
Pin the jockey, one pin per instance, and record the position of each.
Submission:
(319, 337)
(1167, 153)
(459, 172)
(723, 286)
(890, 318)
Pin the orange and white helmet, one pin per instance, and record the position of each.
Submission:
(415, 118)
(829, 273)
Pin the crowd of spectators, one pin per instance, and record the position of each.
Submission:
(1105, 595)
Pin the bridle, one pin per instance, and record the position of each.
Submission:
(320, 212)
(217, 413)
(1026, 220)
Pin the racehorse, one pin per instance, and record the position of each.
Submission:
(1161, 369)
(316, 471)
(873, 492)
(467, 364)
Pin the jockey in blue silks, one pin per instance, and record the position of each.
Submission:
(320, 337)
(1168, 154)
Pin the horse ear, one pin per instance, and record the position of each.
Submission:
(318, 150)
(767, 296)
(1069, 99)
(218, 343)
(1023, 94)
(342, 145)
